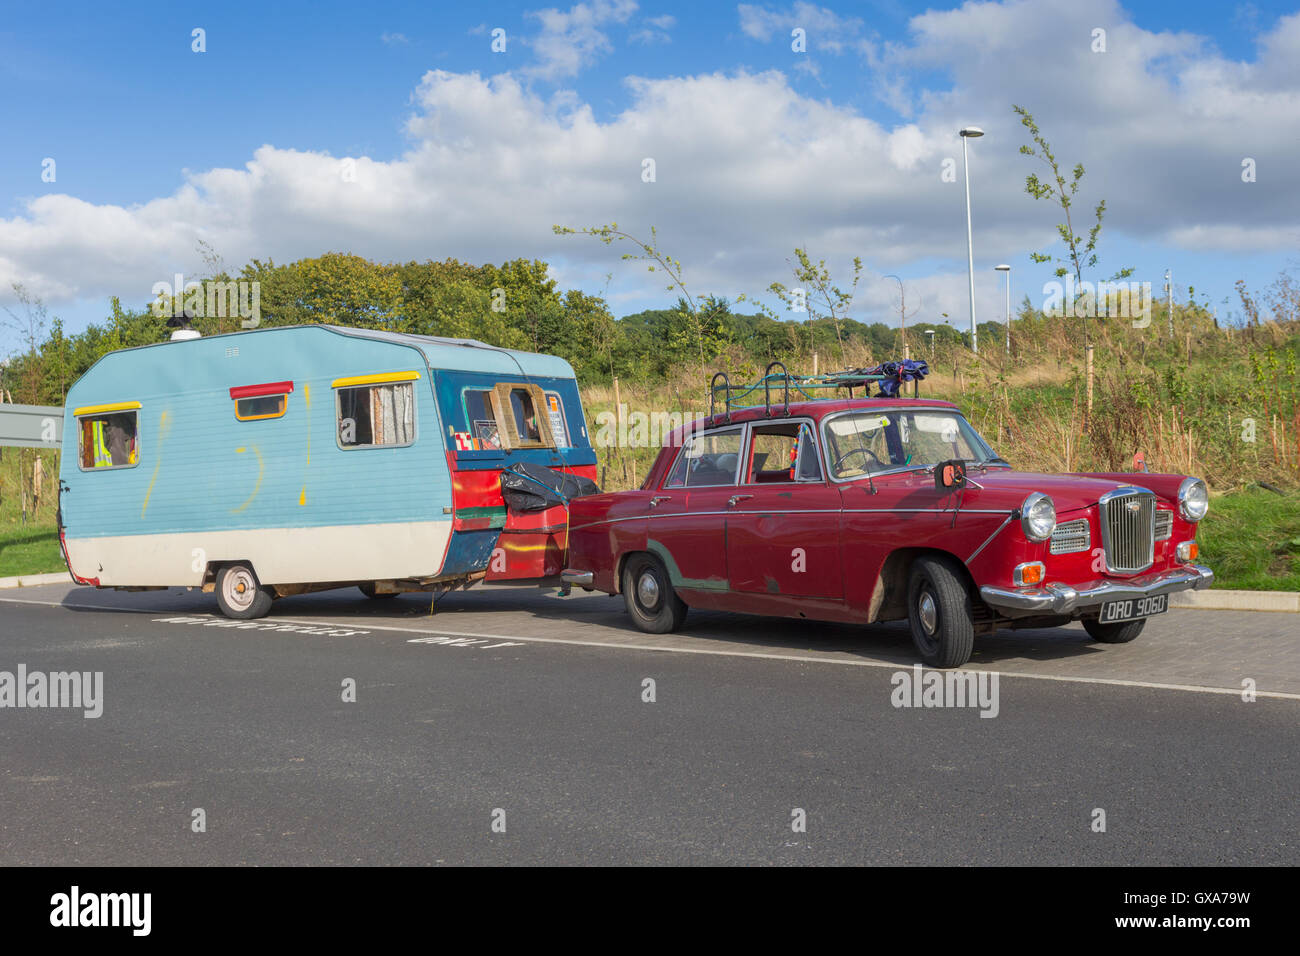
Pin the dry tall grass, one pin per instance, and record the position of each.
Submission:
(1221, 403)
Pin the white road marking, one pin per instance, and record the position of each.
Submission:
(722, 652)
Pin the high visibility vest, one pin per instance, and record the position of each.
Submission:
(102, 458)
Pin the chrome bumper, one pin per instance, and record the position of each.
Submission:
(1056, 598)
(582, 579)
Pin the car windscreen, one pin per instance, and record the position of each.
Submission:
(876, 441)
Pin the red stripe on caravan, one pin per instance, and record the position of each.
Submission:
(257, 391)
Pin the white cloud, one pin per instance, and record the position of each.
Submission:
(394, 39)
(574, 39)
(827, 31)
(747, 167)
(654, 30)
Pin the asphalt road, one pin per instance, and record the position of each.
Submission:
(515, 700)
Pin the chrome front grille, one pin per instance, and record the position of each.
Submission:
(1164, 525)
(1071, 536)
(1128, 524)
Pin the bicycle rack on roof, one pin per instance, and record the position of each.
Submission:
(806, 386)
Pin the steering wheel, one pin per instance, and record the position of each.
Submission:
(857, 451)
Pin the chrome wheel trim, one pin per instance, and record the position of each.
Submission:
(238, 588)
(648, 590)
(927, 612)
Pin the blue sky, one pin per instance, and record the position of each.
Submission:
(141, 128)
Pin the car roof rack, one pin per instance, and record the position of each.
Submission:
(806, 387)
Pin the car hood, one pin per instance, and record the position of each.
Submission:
(1003, 487)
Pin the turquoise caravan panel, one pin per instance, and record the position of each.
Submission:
(281, 492)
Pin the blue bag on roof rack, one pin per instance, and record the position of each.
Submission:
(895, 374)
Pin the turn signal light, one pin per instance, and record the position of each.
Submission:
(1188, 551)
(1028, 574)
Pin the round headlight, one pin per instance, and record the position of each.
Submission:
(1193, 499)
(1038, 517)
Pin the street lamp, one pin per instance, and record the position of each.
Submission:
(1007, 269)
(970, 133)
(1169, 301)
(930, 332)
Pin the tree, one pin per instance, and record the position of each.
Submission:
(702, 329)
(1082, 254)
(28, 373)
(816, 294)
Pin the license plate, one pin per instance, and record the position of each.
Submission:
(1134, 608)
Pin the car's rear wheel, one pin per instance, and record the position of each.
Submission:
(240, 595)
(1120, 633)
(939, 611)
(651, 601)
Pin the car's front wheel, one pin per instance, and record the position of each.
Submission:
(1120, 633)
(651, 601)
(939, 611)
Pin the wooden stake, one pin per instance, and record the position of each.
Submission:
(1088, 364)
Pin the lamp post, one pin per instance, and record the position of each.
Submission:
(930, 332)
(1007, 269)
(1169, 301)
(970, 132)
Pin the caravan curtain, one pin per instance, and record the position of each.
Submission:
(392, 414)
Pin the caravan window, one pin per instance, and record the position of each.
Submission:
(256, 402)
(255, 409)
(527, 426)
(108, 438)
(371, 416)
(519, 412)
(510, 415)
(483, 429)
(555, 414)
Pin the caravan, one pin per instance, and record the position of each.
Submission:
(284, 460)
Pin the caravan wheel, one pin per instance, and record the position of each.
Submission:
(239, 595)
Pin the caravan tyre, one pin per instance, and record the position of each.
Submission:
(240, 595)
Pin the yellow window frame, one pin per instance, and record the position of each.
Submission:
(284, 407)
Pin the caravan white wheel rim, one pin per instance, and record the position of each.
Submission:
(238, 588)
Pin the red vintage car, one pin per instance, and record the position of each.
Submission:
(857, 510)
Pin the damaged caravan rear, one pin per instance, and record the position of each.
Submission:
(285, 460)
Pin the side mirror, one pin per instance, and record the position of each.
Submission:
(950, 475)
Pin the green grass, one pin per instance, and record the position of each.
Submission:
(30, 550)
(1251, 540)
(28, 546)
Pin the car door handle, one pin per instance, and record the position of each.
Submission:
(737, 499)
(654, 502)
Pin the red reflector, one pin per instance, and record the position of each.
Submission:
(257, 391)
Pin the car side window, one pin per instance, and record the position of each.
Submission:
(781, 452)
(808, 465)
(707, 460)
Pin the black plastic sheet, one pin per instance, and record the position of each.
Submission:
(526, 487)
